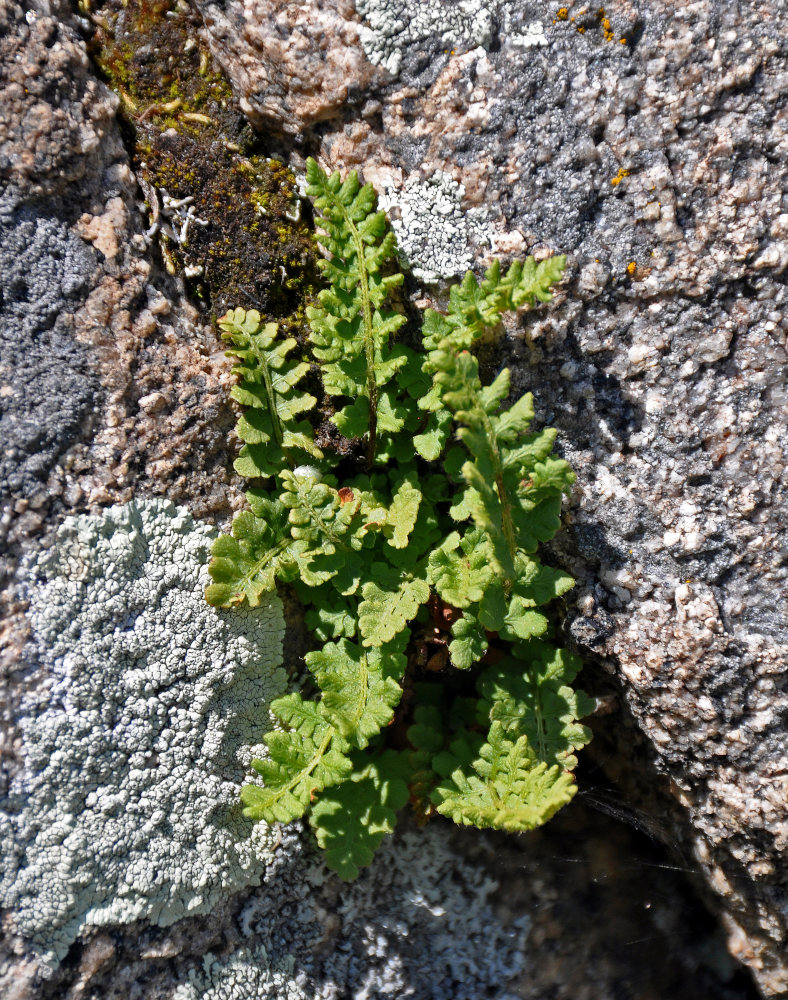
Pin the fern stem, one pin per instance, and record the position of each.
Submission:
(369, 340)
(299, 775)
(507, 525)
(362, 691)
(271, 397)
(539, 716)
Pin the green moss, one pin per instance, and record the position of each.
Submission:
(187, 137)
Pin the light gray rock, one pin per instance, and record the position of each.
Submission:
(127, 805)
(526, 123)
(649, 144)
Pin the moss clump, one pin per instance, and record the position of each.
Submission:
(188, 140)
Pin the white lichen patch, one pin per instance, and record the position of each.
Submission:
(245, 975)
(392, 26)
(532, 37)
(128, 804)
(421, 922)
(436, 236)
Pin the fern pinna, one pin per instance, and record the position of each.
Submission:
(416, 564)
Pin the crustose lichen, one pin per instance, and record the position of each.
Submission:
(127, 805)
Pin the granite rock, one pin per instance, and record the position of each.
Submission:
(649, 144)
(108, 375)
(292, 65)
(654, 162)
(102, 366)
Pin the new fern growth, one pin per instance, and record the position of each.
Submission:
(415, 565)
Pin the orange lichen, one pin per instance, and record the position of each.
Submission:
(622, 173)
(607, 28)
(584, 21)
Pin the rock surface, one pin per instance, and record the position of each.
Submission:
(655, 163)
(651, 145)
(148, 723)
(113, 367)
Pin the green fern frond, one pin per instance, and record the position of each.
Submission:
(469, 642)
(488, 502)
(389, 602)
(507, 615)
(360, 686)
(351, 326)
(530, 695)
(460, 568)
(329, 615)
(326, 529)
(539, 488)
(426, 733)
(311, 756)
(512, 498)
(391, 558)
(273, 436)
(474, 309)
(537, 584)
(431, 442)
(402, 515)
(350, 820)
(477, 307)
(498, 784)
(246, 564)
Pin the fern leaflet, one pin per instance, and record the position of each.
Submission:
(350, 820)
(246, 564)
(271, 434)
(531, 695)
(306, 759)
(360, 686)
(351, 327)
(498, 785)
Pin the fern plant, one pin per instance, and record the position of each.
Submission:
(416, 563)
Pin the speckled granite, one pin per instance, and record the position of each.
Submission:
(647, 141)
(657, 164)
(102, 367)
(581, 910)
(103, 378)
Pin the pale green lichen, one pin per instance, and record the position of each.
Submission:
(436, 235)
(127, 806)
(392, 27)
(244, 975)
